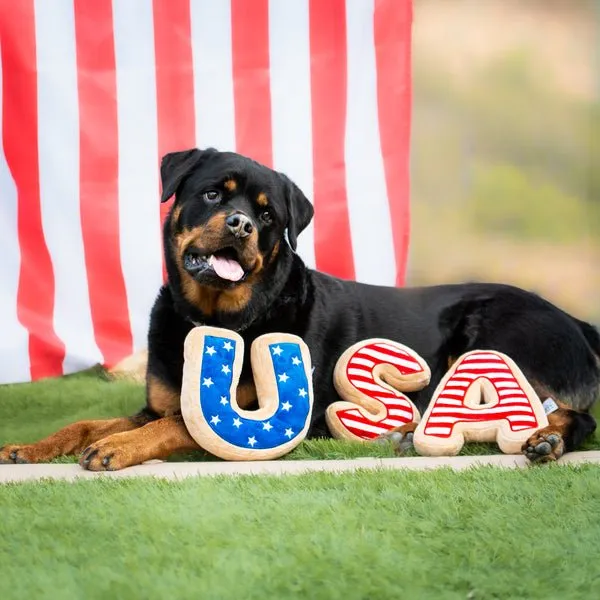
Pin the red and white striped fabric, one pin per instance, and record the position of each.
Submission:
(449, 407)
(94, 92)
(360, 373)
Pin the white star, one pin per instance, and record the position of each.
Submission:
(223, 400)
(251, 441)
(283, 377)
(289, 433)
(210, 350)
(302, 392)
(226, 369)
(286, 406)
(228, 346)
(207, 382)
(296, 361)
(215, 420)
(267, 426)
(277, 350)
(237, 422)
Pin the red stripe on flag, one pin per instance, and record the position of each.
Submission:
(99, 172)
(35, 295)
(174, 81)
(393, 20)
(333, 242)
(251, 79)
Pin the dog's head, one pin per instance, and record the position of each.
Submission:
(227, 226)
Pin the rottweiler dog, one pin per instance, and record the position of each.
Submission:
(229, 246)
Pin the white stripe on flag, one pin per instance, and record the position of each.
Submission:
(291, 113)
(365, 176)
(139, 206)
(14, 341)
(58, 142)
(213, 75)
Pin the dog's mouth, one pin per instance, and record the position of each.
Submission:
(225, 264)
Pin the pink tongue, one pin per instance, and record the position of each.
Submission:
(226, 268)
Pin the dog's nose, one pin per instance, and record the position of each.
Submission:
(239, 224)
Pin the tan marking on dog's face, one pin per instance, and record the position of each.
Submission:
(262, 200)
(230, 185)
(213, 235)
(176, 212)
(274, 252)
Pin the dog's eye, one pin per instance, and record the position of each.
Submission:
(211, 196)
(266, 217)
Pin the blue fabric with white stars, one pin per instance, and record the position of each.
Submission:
(293, 406)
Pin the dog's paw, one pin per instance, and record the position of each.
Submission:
(12, 454)
(110, 454)
(545, 445)
(401, 441)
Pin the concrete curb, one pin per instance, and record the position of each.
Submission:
(167, 470)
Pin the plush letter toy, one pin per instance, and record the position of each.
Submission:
(370, 376)
(484, 397)
(282, 375)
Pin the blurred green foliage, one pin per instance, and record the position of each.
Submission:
(506, 200)
(505, 174)
(509, 148)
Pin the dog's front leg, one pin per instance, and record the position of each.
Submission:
(69, 440)
(157, 439)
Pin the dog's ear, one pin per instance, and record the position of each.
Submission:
(176, 166)
(300, 210)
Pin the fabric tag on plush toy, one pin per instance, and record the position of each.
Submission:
(549, 406)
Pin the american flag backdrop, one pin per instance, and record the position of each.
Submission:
(94, 92)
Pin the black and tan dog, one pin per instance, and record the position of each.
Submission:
(230, 264)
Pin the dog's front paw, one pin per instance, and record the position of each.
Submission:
(110, 454)
(545, 445)
(12, 454)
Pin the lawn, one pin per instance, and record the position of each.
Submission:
(476, 534)
(480, 533)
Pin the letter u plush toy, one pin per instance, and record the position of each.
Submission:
(282, 372)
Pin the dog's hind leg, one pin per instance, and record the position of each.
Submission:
(566, 430)
(400, 437)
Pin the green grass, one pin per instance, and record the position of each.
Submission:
(29, 412)
(481, 533)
